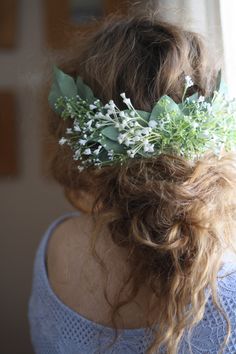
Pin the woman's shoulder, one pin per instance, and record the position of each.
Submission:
(67, 243)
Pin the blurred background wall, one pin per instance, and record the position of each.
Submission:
(30, 200)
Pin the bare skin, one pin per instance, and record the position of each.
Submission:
(78, 280)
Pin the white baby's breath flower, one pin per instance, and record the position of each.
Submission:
(122, 114)
(131, 153)
(146, 130)
(148, 147)
(201, 99)
(87, 151)
(124, 123)
(77, 128)
(96, 152)
(136, 138)
(127, 102)
(112, 104)
(62, 141)
(152, 123)
(138, 133)
(127, 142)
(99, 115)
(121, 138)
(188, 81)
(92, 106)
(68, 131)
(110, 153)
(82, 141)
(89, 123)
(195, 125)
(77, 155)
(80, 168)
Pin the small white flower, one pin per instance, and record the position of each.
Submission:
(110, 153)
(89, 123)
(130, 153)
(136, 138)
(68, 131)
(80, 168)
(96, 152)
(195, 125)
(82, 141)
(112, 104)
(124, 123)
(77, 128)
(127, 142)
(87, 151)
(76, 155)
(152, 124)
(209, 108)
(92, 106)
(188, 81)
(149, 147)
(122, 114)
(62, 141)
(110, 111)
(146, 130)
(99, 115)
(121, 138)
(123, 95)
(138, 133)
(127, 101)
(201, 99)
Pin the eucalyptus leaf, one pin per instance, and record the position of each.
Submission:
(111, 133)
(144, 116)
(85, 91)
(164, 105)
(112, 145)
(192, 98)
(63, 85)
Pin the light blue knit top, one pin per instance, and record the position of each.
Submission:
(56, 329)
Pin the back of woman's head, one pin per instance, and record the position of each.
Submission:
(173, 215)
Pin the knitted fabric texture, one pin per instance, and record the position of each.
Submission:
(57, 329)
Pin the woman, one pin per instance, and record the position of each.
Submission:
(140, 269)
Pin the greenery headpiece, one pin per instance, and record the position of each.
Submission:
(103, 134)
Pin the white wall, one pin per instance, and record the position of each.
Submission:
(201, 16)
(30, 201)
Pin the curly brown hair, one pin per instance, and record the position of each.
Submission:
(174, 216)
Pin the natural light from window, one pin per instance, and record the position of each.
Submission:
(228, 19)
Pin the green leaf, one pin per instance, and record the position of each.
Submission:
(112, 145)
(85, 91)
(192, 98)
(164, 105)
(144, 115)
(218, 80)
(220, 84)
(111, 133)
(62, 85)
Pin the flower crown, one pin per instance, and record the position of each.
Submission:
(102, 135)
